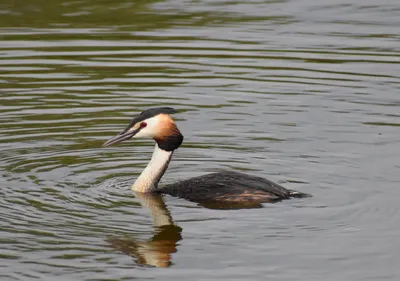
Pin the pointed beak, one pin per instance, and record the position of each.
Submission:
(124, 135)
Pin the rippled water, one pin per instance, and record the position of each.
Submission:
(304, 92)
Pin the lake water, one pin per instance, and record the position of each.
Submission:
(305, 93)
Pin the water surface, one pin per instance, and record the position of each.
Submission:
(304, 93)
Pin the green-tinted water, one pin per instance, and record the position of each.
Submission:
(305, 93)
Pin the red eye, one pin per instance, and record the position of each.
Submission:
(143, 125)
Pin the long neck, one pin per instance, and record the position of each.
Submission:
(151, 175)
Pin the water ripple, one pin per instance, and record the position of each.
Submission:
(300, 92)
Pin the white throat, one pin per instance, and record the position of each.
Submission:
(151, 175)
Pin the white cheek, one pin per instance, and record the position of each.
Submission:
(150, 130)
(143, 133)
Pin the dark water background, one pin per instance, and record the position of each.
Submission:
(305, 93)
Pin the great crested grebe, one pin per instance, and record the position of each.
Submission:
(214, 188)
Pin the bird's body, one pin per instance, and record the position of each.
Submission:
(215, 188)
(230, 187)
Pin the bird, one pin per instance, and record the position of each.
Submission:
(212, 190)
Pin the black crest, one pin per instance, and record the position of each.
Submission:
(155, 111)
(148, 113)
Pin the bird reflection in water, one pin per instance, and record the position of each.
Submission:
(158, 250)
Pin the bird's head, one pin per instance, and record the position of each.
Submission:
(155, 123)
